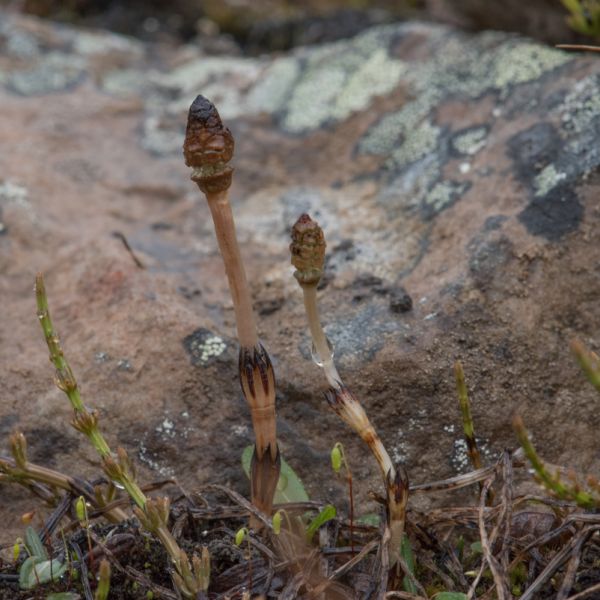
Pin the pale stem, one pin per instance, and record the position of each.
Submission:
(319, 338)
(236, 275)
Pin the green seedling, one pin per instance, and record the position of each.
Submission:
(588, 361)
(240, 535)
(84, 522)
(467, 420)
(584, 495)
(338, 459)
(153, 513)
(450, 596)
(38, 568)
(409, 560)
(103, 581)
(21, 471)
(276, 522)
(467, 417)
(63, 596)
(17, 549)
(327, 514)
(552, 481)
(289, 486)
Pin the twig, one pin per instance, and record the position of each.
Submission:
(585, 593)
(496, 568)
(559, 558)
(571, 570)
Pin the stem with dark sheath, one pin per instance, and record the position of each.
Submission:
(208, 148)
(308, 256)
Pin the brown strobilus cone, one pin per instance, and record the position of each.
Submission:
(208, 148)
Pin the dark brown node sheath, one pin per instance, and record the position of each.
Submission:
(208, 148)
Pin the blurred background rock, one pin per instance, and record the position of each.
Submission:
(258, 26)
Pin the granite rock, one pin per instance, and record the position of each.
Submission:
(455, 176)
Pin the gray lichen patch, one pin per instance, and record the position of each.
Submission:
(337, 83)
(275, 86)
(582, 105)
(443, 195)
(56, 72)
(418, 142)
(470, 141)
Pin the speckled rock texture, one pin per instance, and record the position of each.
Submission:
(455, 176)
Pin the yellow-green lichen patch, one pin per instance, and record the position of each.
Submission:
(525, 61)
(547, 179)
(471, 141)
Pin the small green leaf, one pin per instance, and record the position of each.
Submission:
(34, 544)
(277, 523)
(409, 558)
(336, 458)
(26, 571)
(40, 572)
(289, 487)
(450, 596)
(240, 536)
(63, 596)
(476, 548)
(325, 515)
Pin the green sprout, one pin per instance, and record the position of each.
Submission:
(338, 459)
(103, 581)
(153, 513)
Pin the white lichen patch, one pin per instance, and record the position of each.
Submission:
(149, 459)
(211, 347)
(167, 428)
(14, 193)
(460, 458)
(547, 179)
(399, 450)
(471, 141)
(240, 430)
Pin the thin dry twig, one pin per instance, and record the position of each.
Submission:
(585, 593)
(496, 568)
